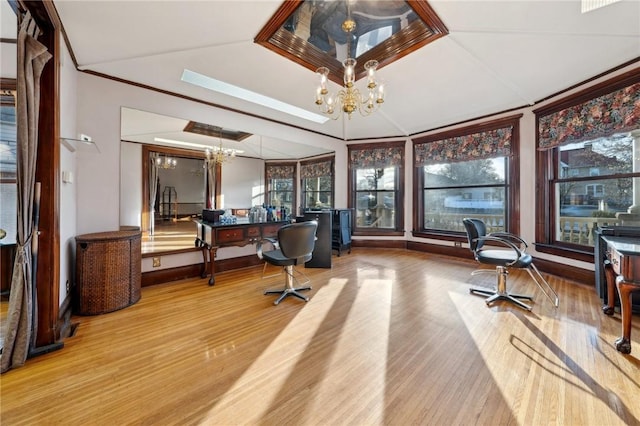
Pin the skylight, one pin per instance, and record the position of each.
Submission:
(206, 82)
(589, 5)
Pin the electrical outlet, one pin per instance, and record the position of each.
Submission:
(156, 262)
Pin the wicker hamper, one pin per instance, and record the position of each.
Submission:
(108, 271)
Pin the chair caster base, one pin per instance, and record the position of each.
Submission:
(623, 345)
(494, 296)
(288, 292)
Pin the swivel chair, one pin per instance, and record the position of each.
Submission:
(513, 257)
(296, 242)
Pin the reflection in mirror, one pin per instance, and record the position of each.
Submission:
(237, 183)
(8, 182)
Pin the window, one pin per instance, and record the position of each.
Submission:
(280, 178)
(595, 191)
(466, 172)
(376, 179)
(317, 184)
(592, 134)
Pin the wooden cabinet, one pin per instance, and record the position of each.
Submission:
(108, 271)
(212, 236)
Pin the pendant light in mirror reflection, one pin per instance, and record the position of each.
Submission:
(166, 162)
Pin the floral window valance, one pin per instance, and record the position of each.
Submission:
(377, 157)
(615, 112)
(280, 171)
(315, 170)
(474, 146)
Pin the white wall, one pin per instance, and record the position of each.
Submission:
(68, 190)
(242, 183)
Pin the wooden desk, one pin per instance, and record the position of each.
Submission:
(623, 254)
(212, 236)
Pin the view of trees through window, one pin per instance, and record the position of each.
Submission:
(467, 188)
(317, 192)
(376, 197)
(596, 182)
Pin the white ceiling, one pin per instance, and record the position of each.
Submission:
(498, 55)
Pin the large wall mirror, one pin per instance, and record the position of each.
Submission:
(8, 181)
(185, 182)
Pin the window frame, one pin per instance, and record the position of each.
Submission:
(547, 168)
(398, 229)
(511, 185)
(303, 192)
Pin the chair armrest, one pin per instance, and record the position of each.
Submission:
(510, 236)
(259, 243)
(504, 242)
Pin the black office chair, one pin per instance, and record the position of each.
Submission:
(513, 257)
(294, 247)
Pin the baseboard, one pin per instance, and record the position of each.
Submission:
(194, 271)
(380, 243)
(572, 273)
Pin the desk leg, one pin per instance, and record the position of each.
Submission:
(625, 288)
(212, 265)
(610, 275)
(203, 272)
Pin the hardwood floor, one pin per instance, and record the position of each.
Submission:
(388, 337)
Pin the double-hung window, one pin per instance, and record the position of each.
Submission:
(468, 172)
(317, 183)
(588, 165)
(376, 183)
(281, 191)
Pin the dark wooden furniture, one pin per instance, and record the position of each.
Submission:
(623, 268)
(108, 271)
(341, 230)
(600, 260)
(212, 236)
(322, 250)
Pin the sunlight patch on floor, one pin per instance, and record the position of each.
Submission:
(533, 357)
(372, 302)
(279, 359)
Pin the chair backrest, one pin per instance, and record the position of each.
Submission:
(475, 229)
(297, 239)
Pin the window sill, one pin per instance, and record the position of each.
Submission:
(581, 254)
(377, 232)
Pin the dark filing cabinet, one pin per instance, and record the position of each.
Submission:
(341, 230)
(322, 250)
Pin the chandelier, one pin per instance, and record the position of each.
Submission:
(166, 162)
(218, 154)
(349, 98)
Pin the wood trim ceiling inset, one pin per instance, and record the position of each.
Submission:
(428, 28)
(215, 131)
